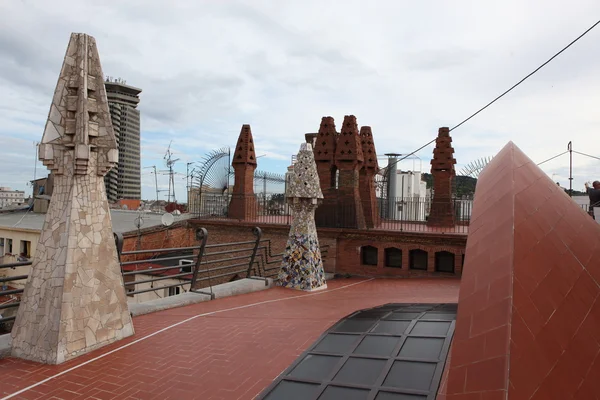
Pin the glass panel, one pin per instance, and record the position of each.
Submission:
(417, 307)
(334, 343)
(287, 390)
(447, 307)
(355, 325)
(431, 328)
(403, 315)
(425, 348)
(370, 314)
(398, 396)
(315, 367)
(410, 375)
(360, 371)
(344, 393)
(439, 315)
(378, 345)
(392, 327)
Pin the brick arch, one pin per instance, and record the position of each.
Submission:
(393, 263)
(411, 252)
(440, 266)
(455, 250)
(416, 246)
(367, 257)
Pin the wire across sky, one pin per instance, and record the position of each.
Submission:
(508, 91)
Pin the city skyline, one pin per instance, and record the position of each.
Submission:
(412, 75)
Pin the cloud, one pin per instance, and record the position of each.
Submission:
(405, 69)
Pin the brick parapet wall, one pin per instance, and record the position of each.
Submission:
(344, 254)
(349, 260)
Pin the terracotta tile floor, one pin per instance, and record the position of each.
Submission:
(230, 348)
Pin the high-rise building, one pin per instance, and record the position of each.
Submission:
(124, 181)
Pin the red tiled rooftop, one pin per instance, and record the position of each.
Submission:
(230, 348)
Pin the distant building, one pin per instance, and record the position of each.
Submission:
(124, 181)
(410, 184)
(42, 193)
(208, 201)
(9, 197)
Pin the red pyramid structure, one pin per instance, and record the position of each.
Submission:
(442, 169)
(243, 201)
(528, 323)
(349, 161)
(367, 178)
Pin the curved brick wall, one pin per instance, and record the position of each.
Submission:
(528, 324)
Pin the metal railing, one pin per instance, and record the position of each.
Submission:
(409, 214)
(211, 263)
(11, 296)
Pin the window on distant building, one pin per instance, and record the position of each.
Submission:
(25, 250)
(368, 255)
(1, 247)
(186, 265)
(8, 246)
(174, 291)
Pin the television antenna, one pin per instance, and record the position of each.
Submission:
(170, 162)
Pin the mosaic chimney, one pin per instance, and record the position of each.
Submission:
(74, 300)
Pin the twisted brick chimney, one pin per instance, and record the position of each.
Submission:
(349, 161)
(324, 150)
(243, 201)
(442, 169)
(367, 178)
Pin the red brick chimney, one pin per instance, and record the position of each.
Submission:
(243, 200)
(442, 169)
(324, 150)
(367, 178)
(349, 161)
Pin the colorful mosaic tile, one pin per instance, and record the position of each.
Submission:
(302, 266)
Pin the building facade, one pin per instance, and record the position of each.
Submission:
(9, 197)
(124, 181)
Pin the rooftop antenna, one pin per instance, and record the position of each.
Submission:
(155, 180)
(169, 162)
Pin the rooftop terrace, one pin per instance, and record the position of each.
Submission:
(230, 348)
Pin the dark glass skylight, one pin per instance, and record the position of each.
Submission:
(392, 352)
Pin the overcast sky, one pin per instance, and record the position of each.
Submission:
(403, 68)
